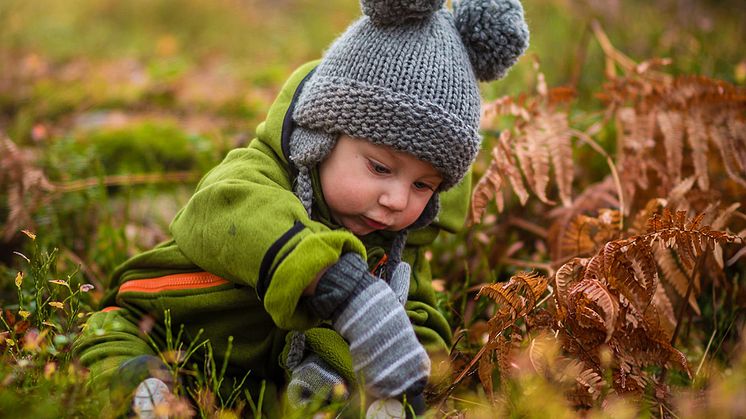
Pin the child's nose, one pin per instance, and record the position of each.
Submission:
(395, 197)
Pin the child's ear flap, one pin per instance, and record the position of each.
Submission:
(494, 32)
(394, 12)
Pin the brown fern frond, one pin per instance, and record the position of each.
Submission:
(27, 187)
(484, 371)
(731, 149)
(667, 318)
(696, 134)
(640, 223)
(586, 234)
(598, 195)
(508, 166)
(591, 381)
(560, 150)
(673, 275)
(514, 298)
(724, 217)
(509, 303)
(504, 352)
(488, 187)
(567, 275)
(531, 285)
(671, 124)
(590, 296)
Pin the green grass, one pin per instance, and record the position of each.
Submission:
(99, 88)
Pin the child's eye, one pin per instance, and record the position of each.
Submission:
(423, 186)
(379, 168)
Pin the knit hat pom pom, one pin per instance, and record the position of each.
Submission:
(393, 12)
(494, 32)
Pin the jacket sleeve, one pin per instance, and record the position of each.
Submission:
(245, 224)
(431, 326)
(108, 339)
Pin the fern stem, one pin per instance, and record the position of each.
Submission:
(582, 136)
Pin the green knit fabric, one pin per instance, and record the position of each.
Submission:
(239, 210)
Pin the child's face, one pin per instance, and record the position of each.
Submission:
(371, 187)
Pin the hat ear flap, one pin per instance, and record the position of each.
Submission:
(394, 12)
(494, 32)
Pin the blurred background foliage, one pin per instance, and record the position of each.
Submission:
(98, 93)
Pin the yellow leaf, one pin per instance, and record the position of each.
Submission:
(49, 369)
(49, 324)
(57, 304)
(31, 235)
(19, 279)
(24, 314)
(58, 282)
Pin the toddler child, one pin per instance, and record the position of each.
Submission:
(318, 226)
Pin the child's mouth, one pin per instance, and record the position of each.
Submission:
(373, 224)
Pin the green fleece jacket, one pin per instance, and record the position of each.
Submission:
(242, 251)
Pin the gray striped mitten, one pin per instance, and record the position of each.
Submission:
(367, 313)
(399, 281)
(314, 379)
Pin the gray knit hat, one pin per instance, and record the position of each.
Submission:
(405, 76)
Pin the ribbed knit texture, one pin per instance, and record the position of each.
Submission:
(313, 379)
(399, 281)
(409, 86)
(370, 316)
(339, 283)
(405, 76)
(383, 345)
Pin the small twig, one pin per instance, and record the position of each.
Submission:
(707, 350)
(125, 180)
(469, 401)
(528, 226)
(582, 136)
(527, 264)
(612, 53)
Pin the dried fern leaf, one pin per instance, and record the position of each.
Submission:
(672, 126)
(673, 274)
(537, 156)
(508, 166)
(484, 371)
(567, 275)
(504, 355)
(734, 167)
(560, 150)
(664, 308)
(600, 296)
(724, 217)
(488, 187)
(591, 381)
(696, 134)
(505, 299)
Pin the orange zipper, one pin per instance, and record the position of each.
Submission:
(193, 280)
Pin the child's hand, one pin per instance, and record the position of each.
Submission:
(367, 313)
